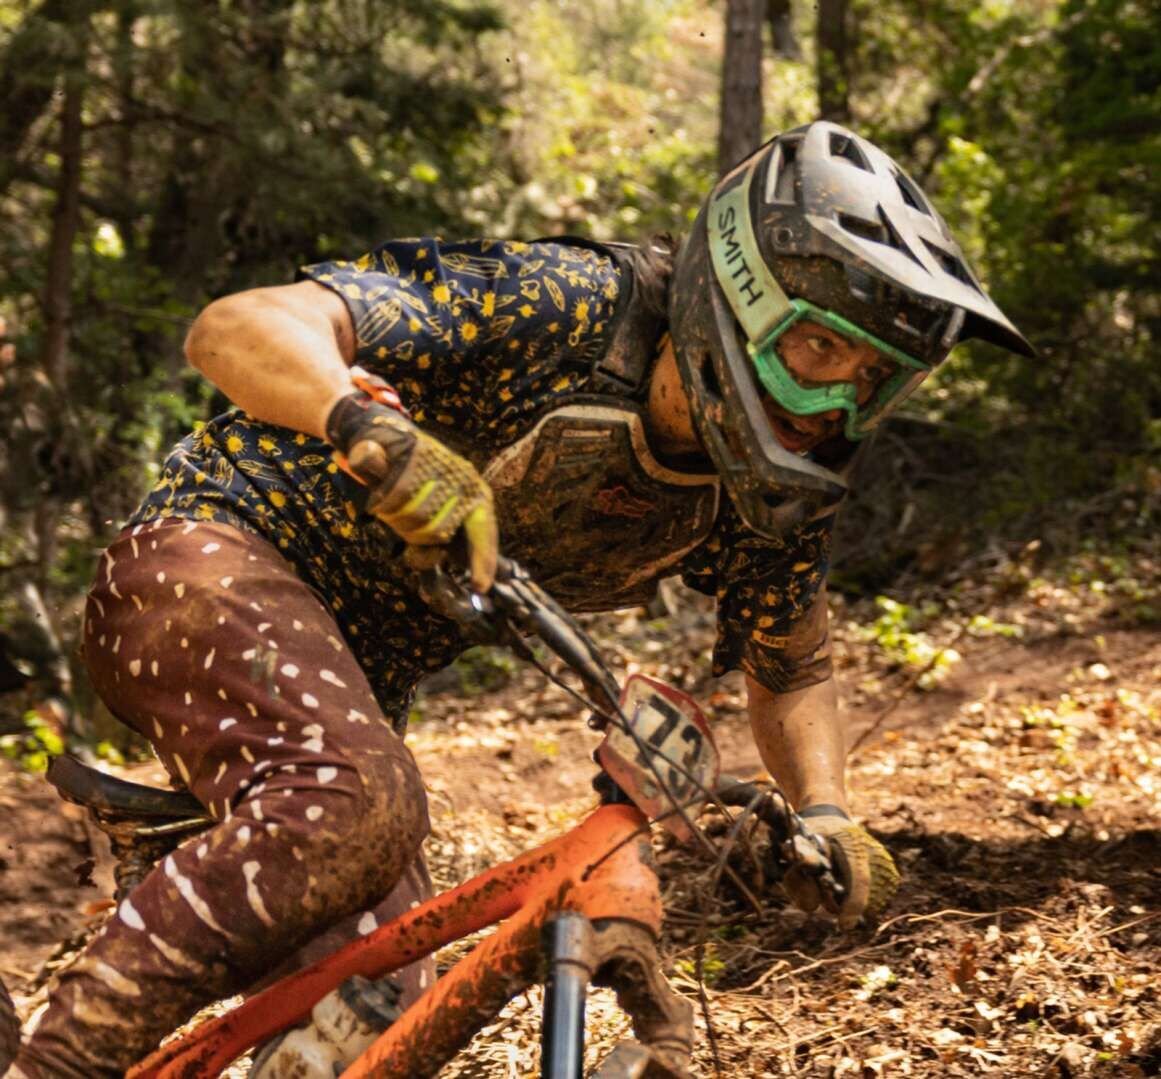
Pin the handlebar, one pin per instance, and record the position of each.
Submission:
(516, 607)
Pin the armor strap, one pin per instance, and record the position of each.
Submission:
(624, 365)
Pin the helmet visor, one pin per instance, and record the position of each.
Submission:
(897, 373)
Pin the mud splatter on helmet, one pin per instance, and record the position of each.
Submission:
(819, 224)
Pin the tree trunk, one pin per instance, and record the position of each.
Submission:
(65, 218)
(740, 124)
(833, 61)
(779, 16)
(124, 54)
(47, 44)
(57, 304)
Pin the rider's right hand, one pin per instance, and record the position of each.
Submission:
(425, 491)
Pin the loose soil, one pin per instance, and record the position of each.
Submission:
(1019, 795)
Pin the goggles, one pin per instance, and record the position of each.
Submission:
(765, 313)
(797, 394)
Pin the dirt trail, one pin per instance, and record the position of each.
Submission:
(42, 844)
(1019, 797)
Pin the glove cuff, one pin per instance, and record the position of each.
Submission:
(823, 809)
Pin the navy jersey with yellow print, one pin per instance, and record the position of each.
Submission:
(481, 339)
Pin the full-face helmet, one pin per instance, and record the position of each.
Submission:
(816, 225)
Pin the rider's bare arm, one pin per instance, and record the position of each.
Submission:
(279, 353)
(801, 740)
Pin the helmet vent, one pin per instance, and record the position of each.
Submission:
(884, 233)
(780, 185)
(709, 377)
(868, 230)
(896, 241)
(951, 265)
(911, 194)
(844, 146)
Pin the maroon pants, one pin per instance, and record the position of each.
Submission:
(201, 637)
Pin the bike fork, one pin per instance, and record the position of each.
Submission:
(568, 943)
(619, 954)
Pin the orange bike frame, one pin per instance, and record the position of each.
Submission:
(601, 869)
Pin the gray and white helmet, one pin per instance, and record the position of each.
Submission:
(818, 222)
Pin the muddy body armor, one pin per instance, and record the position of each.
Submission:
(581, 499)
(597, 518)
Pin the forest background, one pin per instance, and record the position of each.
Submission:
(996, 588)
(155, 154)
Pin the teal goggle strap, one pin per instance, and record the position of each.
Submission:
(765, 312)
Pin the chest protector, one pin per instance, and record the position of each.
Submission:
(581, 500)
(584, 505)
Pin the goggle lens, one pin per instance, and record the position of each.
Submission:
(894, 376)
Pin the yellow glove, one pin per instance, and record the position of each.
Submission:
(423, 490)
(862, 863)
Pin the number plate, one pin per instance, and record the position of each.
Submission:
(675, 736)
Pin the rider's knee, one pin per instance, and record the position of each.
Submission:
(396, 802)
(360, 821)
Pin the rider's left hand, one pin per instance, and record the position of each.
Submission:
(864, 865)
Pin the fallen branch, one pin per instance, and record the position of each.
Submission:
(1129, 925)
(769, 977)
(966, 915)
(828, 1034)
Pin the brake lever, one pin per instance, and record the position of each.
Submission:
(448, 596)
(793, 844)
(526, 604)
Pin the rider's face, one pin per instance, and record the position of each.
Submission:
(816, 355)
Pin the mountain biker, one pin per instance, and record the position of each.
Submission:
(610, 415)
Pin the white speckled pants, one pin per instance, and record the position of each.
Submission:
(202, 637)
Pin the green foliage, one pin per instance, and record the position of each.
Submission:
(484, 668)
(898, 633)
(980, 625)
(712, 966)
(106, 751)
(33, 747)
(608, 125)
(1046, 175)
(1033, 124)
(1126, 581)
